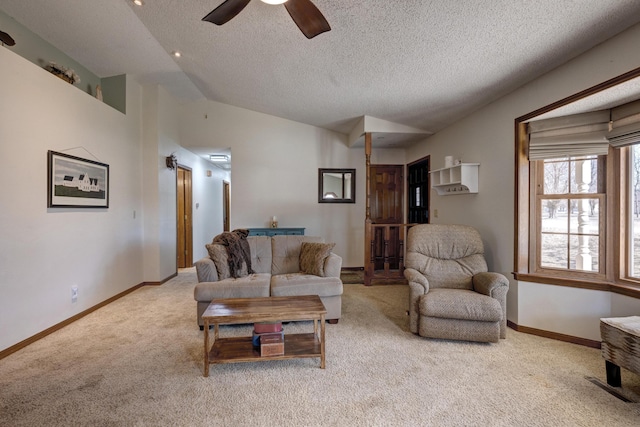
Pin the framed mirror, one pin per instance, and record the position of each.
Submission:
(336, 185)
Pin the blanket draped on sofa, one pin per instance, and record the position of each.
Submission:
(237, 249)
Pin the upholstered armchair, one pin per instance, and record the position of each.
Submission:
(451, 294)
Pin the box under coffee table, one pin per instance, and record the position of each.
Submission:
(268, 309)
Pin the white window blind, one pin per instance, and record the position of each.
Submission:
(625, 125)
(575, 135)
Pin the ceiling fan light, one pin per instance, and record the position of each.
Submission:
(274, 1)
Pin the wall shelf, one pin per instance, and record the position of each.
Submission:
(458, 179)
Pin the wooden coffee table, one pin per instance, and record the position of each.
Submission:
(269, 309)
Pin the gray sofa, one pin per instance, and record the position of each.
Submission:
(276, 264)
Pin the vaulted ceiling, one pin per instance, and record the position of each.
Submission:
(422, 64)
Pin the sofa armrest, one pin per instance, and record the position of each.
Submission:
(332, 265)
(418, 286)
(206, 270)
(491, 284)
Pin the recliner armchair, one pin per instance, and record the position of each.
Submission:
(452, 295)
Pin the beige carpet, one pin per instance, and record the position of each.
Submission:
(138, 362)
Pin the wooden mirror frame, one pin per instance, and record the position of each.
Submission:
(347, 187)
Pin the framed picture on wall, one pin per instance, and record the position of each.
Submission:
(73, 182)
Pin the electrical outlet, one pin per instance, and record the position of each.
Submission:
(435, 213)
(74, 294)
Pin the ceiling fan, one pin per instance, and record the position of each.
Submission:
(6, 39)
(304, 13)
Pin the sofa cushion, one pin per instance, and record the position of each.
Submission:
(260, 247)
(313, 256)
(251, 286)
(286, 252)
(460, 304)
(294, 284)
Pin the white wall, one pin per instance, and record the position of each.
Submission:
(274, 171)
(487, 137)
(102, 251)
(45, 252)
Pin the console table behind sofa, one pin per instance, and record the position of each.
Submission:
(276, 231)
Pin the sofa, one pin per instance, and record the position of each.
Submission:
(276, 264)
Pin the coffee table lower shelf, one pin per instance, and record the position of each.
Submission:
(240, 349)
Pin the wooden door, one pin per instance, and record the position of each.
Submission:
(387, 198)
(418, 191)
(184, 219)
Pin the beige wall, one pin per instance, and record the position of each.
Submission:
(45, 252)
(274, 171)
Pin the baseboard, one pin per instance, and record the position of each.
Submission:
(22, 344)
(352, 268)
(554, 335)
(160, 282)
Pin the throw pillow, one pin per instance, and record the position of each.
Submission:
(312, 257)
(218, 253)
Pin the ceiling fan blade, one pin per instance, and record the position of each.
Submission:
(307, 17)
(6, 39)
(226, 11)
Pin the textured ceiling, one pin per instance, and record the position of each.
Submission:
(423, 64)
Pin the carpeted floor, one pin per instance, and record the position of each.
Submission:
(138, 362)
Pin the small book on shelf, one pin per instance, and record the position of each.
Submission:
(265, 327)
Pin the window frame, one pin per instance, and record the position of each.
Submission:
(615, 277)
(537, 187)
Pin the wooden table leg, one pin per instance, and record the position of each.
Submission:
(206, 348)
(322, 322)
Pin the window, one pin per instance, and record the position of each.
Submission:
(577, 210)
(633, 209)
(570, 213)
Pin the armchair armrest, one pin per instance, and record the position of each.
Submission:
(332, 265)
(414, 276)
(496, 286)
(206, 270)
(418, 285)
(491, 284)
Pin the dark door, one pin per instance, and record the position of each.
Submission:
(418, 191)
(387, 196)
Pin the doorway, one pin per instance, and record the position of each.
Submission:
(418, 191)
(184, 218)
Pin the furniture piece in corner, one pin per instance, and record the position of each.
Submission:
(451, 294)
(620, 346)
(289, 231)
